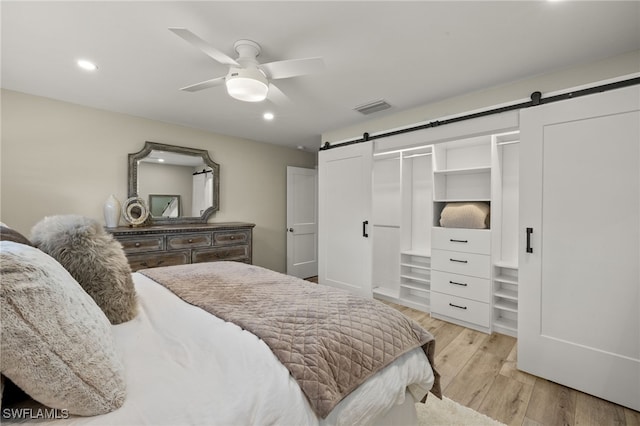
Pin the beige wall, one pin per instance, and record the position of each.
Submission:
(507, 93)
(59, 158)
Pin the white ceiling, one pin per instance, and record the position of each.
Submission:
(408, 53)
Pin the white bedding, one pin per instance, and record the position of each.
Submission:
(186, 366)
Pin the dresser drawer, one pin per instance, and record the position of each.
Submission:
(460, 239)
(144, 261)
(230, 237)
(142, 244)
(460, 308)
(477, 265)
(460, 285)
(189, 240)
(240, 252)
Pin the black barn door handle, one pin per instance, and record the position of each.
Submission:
(529, 232)
(364, 229)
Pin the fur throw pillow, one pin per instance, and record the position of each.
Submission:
(57, 345)
(94, 258)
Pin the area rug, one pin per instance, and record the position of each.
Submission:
(446, 412)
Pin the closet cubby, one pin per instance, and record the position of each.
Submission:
(504, 216)
(385, 226)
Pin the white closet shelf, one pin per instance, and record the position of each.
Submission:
(386, 292)
(463, 171)
(506, 305)
(416, 266)
(459, 200)
(416, 253)
(506, 279)
(507, 294)
(414, 287)
(506, 323)
(415, 277)
(506, 264)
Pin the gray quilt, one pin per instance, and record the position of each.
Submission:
(330, 340)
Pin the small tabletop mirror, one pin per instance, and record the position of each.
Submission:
(179, 184)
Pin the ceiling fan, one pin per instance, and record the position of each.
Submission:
(247, 79)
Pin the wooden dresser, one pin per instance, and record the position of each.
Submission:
(165, 245)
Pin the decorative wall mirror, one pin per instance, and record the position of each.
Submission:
(179, 184)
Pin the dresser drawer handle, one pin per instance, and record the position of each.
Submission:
(462, 284)
(137, 244)
(190, 240)
(458, 306)
(458, 241)
(459, 261)
(232, 237)
(158, 263)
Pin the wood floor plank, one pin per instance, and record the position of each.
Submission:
(510, 369)
(453, 357)
(592, 411)
(552, 404)
(471, 385)
(507, 400)
(632, 417)
(499, 344)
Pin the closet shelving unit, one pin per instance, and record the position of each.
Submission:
(415, 239)
(505, 160)
(411, 185)
(386, 218)
(402, 208)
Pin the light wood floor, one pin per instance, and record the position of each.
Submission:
(479, 371)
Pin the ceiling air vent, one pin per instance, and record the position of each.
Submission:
(371, 107)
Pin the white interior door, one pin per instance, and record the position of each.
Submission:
(344, 215)
(302, 224)
(579, 295)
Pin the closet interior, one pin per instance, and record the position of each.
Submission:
(431, 248)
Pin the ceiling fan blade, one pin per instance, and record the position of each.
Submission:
(199, 43)
(204, 85)
(276, 96)
(292, 67)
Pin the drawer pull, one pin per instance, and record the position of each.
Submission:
(190, 240)
(457, 306)
(458, 241)
(137, 244)
(459, 261)
(232, 237)
(462, 284)
(158, 263)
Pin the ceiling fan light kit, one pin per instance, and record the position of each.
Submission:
(247, 84)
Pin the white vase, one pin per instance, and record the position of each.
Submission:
(112, 211)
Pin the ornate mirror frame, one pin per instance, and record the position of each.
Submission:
(151, 146)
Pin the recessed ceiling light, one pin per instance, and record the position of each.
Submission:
(87, 65)
(268, 116)
(160, 160)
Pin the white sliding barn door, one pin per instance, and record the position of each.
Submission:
(344, 187)
(579, 295)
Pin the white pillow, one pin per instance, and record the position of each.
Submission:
(57, 344)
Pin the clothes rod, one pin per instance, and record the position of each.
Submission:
(536, 99)
(203, 171)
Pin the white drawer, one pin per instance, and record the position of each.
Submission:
(460, 308)
(476, 265)
(461, 285)
(460, 239)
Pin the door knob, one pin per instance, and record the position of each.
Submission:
(290, 229)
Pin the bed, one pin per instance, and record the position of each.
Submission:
(182, 364)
